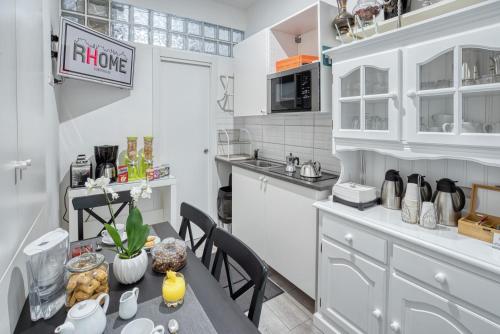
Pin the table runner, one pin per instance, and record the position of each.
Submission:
(190, 315)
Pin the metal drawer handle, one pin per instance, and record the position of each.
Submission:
(440, 278)
(348, 237)
(395, 326)
(261, 178)
(265, 180)
(377, 313)
(411, 94)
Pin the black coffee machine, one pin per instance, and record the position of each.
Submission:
(105, 158)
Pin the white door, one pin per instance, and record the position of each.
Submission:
(249, 211)
(365, 95)
(452, 89)
(8, 129)
(250, 75)
(184, 124)
(352, 290)
(415, 310)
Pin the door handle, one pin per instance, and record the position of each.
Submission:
(20, 166)
(205, 151)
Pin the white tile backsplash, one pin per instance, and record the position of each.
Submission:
(299, 135)
(308, 136)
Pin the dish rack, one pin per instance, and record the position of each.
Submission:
(234, 144)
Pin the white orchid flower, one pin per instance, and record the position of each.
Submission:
(143, 191)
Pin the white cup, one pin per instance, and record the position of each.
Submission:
(119, 227)
(128, 304)
(142, 326)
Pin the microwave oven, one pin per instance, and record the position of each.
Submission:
(295, 90)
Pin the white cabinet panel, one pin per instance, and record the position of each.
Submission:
(250, 75)
(366, 97)
(352, 290)
(249, 211)
(415, 310)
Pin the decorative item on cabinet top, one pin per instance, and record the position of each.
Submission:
(355, 195)
(483, 219)
(226, 102)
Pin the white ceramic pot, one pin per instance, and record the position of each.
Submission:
(128, 271)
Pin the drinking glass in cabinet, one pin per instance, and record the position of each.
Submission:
(480, 66)
(101, 26)
(350, 84)
(73, 5)
(481, 112)
(98, 8)
(376, 115)
(350, 115)
(436, 113)
(437, 73)
(376, 81)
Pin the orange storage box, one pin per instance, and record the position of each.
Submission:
(294, 62)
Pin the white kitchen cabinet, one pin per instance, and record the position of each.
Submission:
(251, 66)
(366, 97)
(277, 220)
(352, 290)
(415, 310)
(432, 282)
(453, 89)
(249, 213)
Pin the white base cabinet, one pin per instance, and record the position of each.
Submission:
(278, 221)
(379, 275)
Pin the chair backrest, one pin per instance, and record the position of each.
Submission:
(190, 214)
(229, 245)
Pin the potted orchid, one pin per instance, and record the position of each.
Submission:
(131, 260)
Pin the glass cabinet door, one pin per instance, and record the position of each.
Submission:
(453, 90)
(365, 97)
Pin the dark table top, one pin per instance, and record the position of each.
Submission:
(225, 315)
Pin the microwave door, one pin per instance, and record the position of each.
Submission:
(284, 93)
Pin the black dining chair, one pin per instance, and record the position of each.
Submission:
(190, 214)
(230, 246)
(88, 203)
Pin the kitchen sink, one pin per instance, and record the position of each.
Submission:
(260, 163)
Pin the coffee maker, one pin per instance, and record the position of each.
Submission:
(105, 158)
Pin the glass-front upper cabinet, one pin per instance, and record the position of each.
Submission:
(365, 95)
(453, 90)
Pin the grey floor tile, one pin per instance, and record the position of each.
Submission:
(288, 311)
(303, 299)
(270, 323)
(306, 328)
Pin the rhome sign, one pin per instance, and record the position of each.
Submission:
(89, 55)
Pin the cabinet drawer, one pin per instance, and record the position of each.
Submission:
(344, 232)
(477, 290)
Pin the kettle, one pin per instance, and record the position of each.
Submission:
(291, 162)
(86, 317)
(423, 188)
(449, 200)
(392, 190)
(311, 169)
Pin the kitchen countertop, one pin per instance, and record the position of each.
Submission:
(319, 186)
(445, 240)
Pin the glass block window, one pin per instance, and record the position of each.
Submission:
(141, 25)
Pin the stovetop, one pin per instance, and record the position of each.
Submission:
(296, 175)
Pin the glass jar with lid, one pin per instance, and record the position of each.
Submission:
(86, 278)
(170, 254)
(368, 10)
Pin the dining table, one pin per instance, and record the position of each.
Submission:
(222, 312)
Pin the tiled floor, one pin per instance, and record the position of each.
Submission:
(290, 312)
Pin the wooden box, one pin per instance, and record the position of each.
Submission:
(480, 225)
(294, 62)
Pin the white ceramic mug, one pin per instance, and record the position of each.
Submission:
(128, 304)
(119, 227)
(143, 326)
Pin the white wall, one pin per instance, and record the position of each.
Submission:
(203, 10)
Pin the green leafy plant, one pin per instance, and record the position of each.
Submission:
(137, 231)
